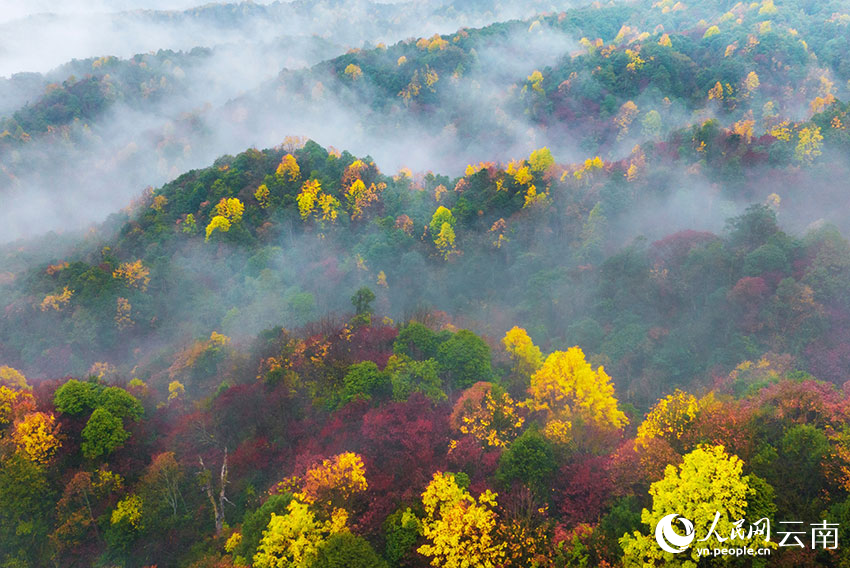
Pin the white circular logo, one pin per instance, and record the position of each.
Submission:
(671, 541)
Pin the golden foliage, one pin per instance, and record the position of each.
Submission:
(123, 311)
(459, 529)
(353, 71)
(288, 169)
(809, 141)
(56, 301)
(36, 436)
(568, 391)
(526, 356)
(333, 482)
(134, 275)
(262, 195)
(668, 418)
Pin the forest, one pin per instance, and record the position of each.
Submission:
(461, 284)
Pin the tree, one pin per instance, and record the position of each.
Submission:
(288, 169)
(161, 482)
(345, 550)
(365, 380)
(525, 355)
(541, 160)
(332, 483)
(464, 359)
(205, 478)
(293, 540)
(809, 141)
(103, 434)
(416, 341)
(408, 376)
(441, 216)
(26, 500)
(708, 490)
(255, 522)
(668, 419)
(362, 300)
(529, 460)
(403, 528)
(445, 241)
(120, 403)
(569, 392)
(134, 275)
(489, 414)
(353, 71)
(459, 528)
(651, 124)
(13, 379)
(228, 213)
(36, 435)
(75, 397)
(83, 501)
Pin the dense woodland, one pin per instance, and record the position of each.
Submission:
(291, 358)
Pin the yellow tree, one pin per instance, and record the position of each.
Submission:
(541, 160)
(13, 379)
(134, 275)
(668, 418)
(488, 414)
(263, 196)
(526, 356)
(36, 436)
(123, 314)
(292, 540)
(460, 529)
(228, 213)
(332, 483)
(628, 112)
(808, 144)
(445, 241)
(359, 196)
(14, 403)
(314, 201)
(288, 169)
(57, 301)
(353, 71)
(716, 92)
(709, 491)
(569, 392)
(751, 83)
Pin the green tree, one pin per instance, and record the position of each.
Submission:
(403, 528)
(408, 376)
(362, 300)
(345, 550)
(75, 397)
(416, 341)
(103, 434)
(464, 360)
(25, 509)
(365, 380)
(530, 460)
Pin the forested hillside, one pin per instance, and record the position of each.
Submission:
(520, 293)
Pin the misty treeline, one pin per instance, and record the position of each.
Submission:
(572, 81)
(574, 273)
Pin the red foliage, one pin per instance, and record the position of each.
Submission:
(748, 295)
(805, 402)
(672, 250)
(584, 490)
